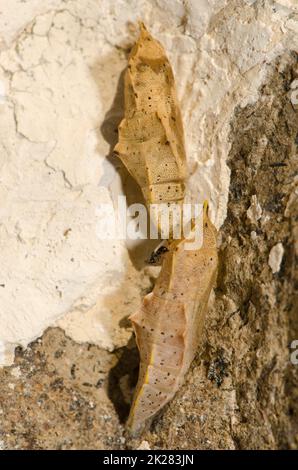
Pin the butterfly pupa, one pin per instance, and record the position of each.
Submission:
(168, 327)
(151, 139)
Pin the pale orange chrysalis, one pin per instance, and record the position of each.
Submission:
(151, 140)
(168, 326)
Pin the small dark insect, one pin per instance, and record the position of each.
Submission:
(155, 256)
(66, 232)
(218, 370)
(73, 371)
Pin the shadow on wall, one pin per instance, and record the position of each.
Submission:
(123, 377)
(138, 251)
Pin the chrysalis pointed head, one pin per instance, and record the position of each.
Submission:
(146, 48)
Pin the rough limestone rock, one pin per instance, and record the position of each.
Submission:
(68, 293)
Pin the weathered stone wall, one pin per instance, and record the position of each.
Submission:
(60, 101)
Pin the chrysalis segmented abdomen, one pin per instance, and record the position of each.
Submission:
(151, 140)
(161, 355)
(169, 325)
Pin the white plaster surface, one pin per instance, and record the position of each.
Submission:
(60, 62)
